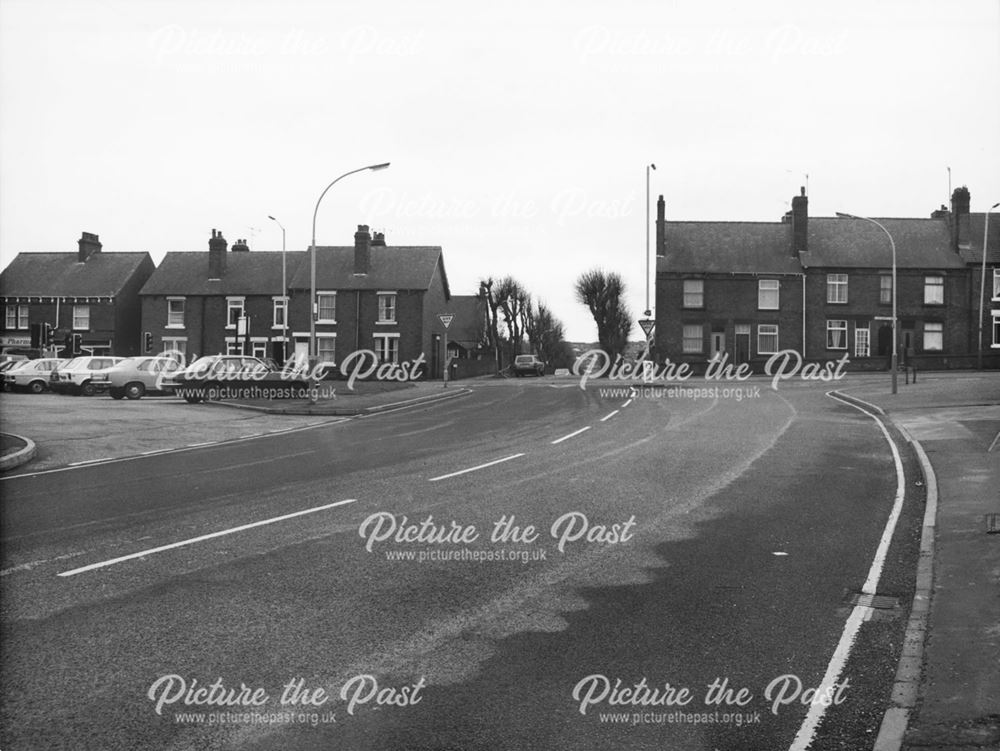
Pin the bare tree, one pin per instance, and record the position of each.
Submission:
(603, 294)
(513, 299)
(492, 330)
(545, 332)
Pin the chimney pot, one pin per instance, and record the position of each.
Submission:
(800, 223)
(216, 255)
(88, 245)
(362, 250)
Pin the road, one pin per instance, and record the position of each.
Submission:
(696, 540)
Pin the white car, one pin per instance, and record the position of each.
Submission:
(135, 377)
(32, 375)
(77, 376)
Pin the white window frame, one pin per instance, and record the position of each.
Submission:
(171, 314)
(81, 312)
(765, 289)
(996, 329)
(386, 314)
(173, 346)
(235, 303)
(862, 340)
(382, 347)
(258, 346)
(693, 293)
(834, 325)
(234, 345)
(768, 330)
(996, 285)
(933, 337)
(836, 287)
(326, 293)
(16, 317)
(688, 338)
(885, 290)
(279, 303)
(328, 339)
(934, 283)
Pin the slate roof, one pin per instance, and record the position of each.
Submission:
(855, 243)
(392, 267)
(62, 275)
(974, 254)
(726, 247)
(247, 273)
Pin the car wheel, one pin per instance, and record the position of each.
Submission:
(87, 389)
(36, 387)
(192, 399)
(7, 387)
(116, 393)
(135, 390)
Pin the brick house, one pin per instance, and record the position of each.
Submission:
(968, 236)
(376, 297)
(89, 299)
(223, 302)
(820, 286)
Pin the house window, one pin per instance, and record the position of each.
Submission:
(326, 307)
(694, 293)
(885, 289)
(81, 317)
(175, 347)
(767, 338)
(175, 312)
(387, 308)
(933, 337)
(996, 284)
(836, 288)
(234, 346)
(258, 348)
(933, 290)
(862, 340)
(234, 306)
(836, 334)
(996, 328)
(326, 348)
(17, 317)
(280, 307)
(767, 295)
(387, 348)
(694, 339)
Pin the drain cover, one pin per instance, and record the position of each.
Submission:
(879, 602)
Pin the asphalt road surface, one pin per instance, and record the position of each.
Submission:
(372, 584)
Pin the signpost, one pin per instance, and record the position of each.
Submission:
(446, 319)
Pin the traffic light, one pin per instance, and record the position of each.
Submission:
(147, 342)
(77, 343)
(37, 332)
(47, 335)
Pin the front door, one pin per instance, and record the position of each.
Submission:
(718, 343)
(742, 343)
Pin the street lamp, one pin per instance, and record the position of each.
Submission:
(982, 286)
(892, 244)
(648, 309)
(312, 256)
(284, 293)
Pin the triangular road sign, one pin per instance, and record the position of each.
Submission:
(446, 319)
(647, 324)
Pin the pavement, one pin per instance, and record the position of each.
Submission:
(953, 419)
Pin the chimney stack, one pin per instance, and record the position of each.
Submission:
(800, 223)
(661, 227)
(378, 240)
(89, 244)
(362, 250)
(240, 246)
(216, 255)
(960, 200)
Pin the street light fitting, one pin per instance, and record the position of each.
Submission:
(379, 166)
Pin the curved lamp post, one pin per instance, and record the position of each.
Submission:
(982, 285)
(312, 256)
(892, 244)
(648, 309)
(284, 293)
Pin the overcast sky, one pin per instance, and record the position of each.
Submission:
(519, 132)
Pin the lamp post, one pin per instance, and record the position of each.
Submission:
(892, 244)
(982, 285)
(312, 257)
(648, 309)
(284, 293)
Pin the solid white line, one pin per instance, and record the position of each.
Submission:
(859, 614)
(608, 417)
(627, 403)
(993, 445)
(473, 469)
(203, 443)
(89, 461)
(567, 437)
(193, 540)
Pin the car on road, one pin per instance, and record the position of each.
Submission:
(212, 371)
(528, 364)
(77, 375)
(134, 377)
(32, 375)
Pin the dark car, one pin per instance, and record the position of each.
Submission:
(197, 381)
(528, 364)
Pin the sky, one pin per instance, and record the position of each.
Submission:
(519, 133)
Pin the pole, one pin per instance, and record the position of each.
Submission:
(312, 258)
(648, 309)
(982, 286)
(284, 294)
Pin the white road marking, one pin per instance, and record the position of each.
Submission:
(859, 614)
(608, 417)
(567, 437)
(473, 469)
(196, 445)
(202, 538)
(90, 461)
(993, 445)
(627, 403)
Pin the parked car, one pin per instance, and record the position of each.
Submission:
(77, 375)
(212, 371)
(524, 364)
(134, 377)
(32, 375)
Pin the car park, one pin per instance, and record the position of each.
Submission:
(134, 377)
(528, 364)
(32, 375)
(210, 372)
(77, 375)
